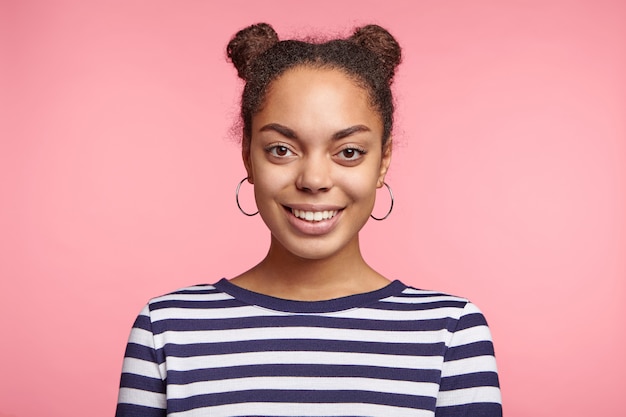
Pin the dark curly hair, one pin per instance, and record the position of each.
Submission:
(370, 57)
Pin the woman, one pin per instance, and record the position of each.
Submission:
(312, 330)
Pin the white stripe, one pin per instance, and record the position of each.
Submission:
(471, 309)
(317, 358)
(410, 290)
(304, 410)
(143, 368)
(309, 333)
(421, 300)
(469, 365)
(140, 397)
(468, 396)
(141, 337)
(398, 315)
(212, 313)
(471, 335)
(302, 383)
(255, 311)
(193, 297)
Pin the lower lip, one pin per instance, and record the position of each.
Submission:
(313, 228)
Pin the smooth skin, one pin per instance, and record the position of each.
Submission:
(316, 146)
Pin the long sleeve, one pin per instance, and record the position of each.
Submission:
(142, 385)
(469, 379)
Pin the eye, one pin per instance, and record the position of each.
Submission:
(351, 154)
(279, 151)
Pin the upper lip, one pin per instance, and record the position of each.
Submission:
(314, 207)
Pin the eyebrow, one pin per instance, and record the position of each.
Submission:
(350, 131)
(283, 130)
(291, 134)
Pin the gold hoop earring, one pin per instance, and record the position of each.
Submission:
(237, 200)
(390, 207)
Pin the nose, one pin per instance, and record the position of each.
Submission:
(314, 175)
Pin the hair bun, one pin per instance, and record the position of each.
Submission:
(248, 44)
(382, 44)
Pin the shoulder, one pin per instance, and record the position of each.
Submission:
(187, 300)
(416, 295)
(410, 298)
(459, 312)
(200, 292)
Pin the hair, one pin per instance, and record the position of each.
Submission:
(369, 56)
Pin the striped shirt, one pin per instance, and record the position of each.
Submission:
(220, 350)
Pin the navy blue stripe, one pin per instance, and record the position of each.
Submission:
(301, 397)
(477, 379)
(385, 306)
(433, 305)
(196, 304)
(299, 321)
(429, 294)
(471, 320)
(304, 345)
(142, 382)
(324, 306)
(137, 351)
(470, 350)
(206, 289)
(143, 322)
(473, 410)
(303, 370)
(130, 410)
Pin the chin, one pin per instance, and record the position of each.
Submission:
(315, 249)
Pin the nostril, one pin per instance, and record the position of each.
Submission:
(314, 190)
(314, 176)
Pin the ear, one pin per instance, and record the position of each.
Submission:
(247, 163)
(384, 163)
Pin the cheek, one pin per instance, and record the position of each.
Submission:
(269, 175)
(361, 188)
(364, 179)
(258, 166)
(268, 182)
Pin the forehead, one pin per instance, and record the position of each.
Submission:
(318, 95)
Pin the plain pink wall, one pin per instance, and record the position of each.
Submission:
(118, 169)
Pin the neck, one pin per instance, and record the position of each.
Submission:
(285, 275)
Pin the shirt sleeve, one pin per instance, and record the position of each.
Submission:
(469, 379)
(142, 385)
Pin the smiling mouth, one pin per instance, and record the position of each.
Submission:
(314, 216)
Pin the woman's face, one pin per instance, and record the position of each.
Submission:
(315, 160)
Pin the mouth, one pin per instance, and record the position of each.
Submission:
(310, 220)
(313, 216)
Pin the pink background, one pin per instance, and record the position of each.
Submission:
(118, 169)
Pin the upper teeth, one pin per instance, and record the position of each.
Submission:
(314, 215)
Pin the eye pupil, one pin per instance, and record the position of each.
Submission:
(349, 153)
(281, 150)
